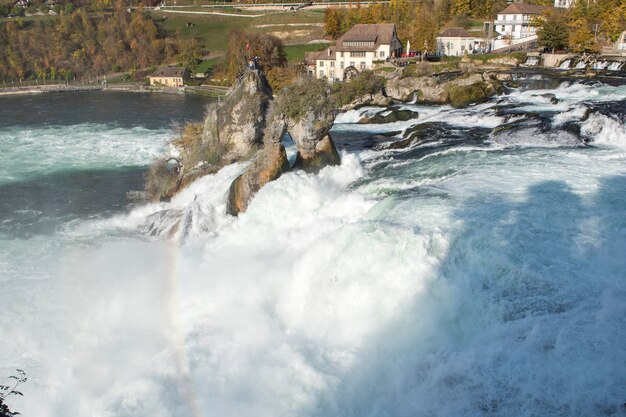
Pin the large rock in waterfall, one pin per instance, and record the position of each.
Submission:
(306, 110)
(238, 123)
(268, 164)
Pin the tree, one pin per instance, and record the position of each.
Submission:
(332, 24)
(581, 38)
(11, 389)
(554, 32)
(242, 47)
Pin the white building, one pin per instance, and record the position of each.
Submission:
(355, 51)
(457, 41)
(517, 24)
(565, 4)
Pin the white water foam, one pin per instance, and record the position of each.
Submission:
(464, 283)
(31, 152)
(604, 130)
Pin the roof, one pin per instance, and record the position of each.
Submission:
(169, 72)
(379, 34)
(311, 57)
(522, 8)
(454, 33)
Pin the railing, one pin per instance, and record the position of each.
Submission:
(232, 87)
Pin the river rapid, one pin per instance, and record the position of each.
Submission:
(479, 271)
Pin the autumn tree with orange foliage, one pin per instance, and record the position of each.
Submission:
(77, 44)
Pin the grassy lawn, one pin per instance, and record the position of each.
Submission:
(296, 52)
(212, 31)
(205, 66)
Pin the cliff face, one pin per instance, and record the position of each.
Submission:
(238, 123)
(306, 113)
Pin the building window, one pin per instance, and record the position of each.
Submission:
(357, 54)
(320, 63)
(362, 65)
(462, 48)
(381, 54)
(341, 65)
(359, 43)
(351, 63)
(332, 74)
(321, 73)
(502, 29)
(332, 64)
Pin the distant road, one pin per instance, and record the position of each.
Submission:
(315, 5)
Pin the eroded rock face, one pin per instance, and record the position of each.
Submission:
(422, 88)
(459, 91)
(239, 122)
(324, 154)
(268, 164)
(378, 99)
(390, 115)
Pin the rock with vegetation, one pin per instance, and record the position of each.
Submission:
(307, 110)
(268, 165)
(366, 89)
(458, 90)
(239, 122)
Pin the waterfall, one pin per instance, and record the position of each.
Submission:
(581, 65)
(565, 64)
(615, 66)
(531, 61)
(600, 65)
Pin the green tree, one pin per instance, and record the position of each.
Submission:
(554, 32)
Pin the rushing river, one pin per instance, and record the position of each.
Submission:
(480, 271)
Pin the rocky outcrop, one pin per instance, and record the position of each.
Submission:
(458, 91)
(238, 123)
(391, 115)
(268, 164)
(377, 99)
(323, 154)
(250, 124)
(420, 88)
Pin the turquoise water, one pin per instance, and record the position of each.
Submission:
(478, 272)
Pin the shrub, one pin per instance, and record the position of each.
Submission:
(419, 69)
(303, 96)
(365, 83)
(8, 390)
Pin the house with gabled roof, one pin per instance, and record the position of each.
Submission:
(517, 20)
(355, 51)
(457, 41)
(169, 76)
(518, 24)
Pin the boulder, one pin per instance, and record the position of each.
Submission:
(268, 164)
(390, 116)
(423, 88)
(462, 95)
(378, 99)
(323, 154)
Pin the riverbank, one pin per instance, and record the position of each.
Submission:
(205, 91)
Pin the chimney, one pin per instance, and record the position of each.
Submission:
(328, 51)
